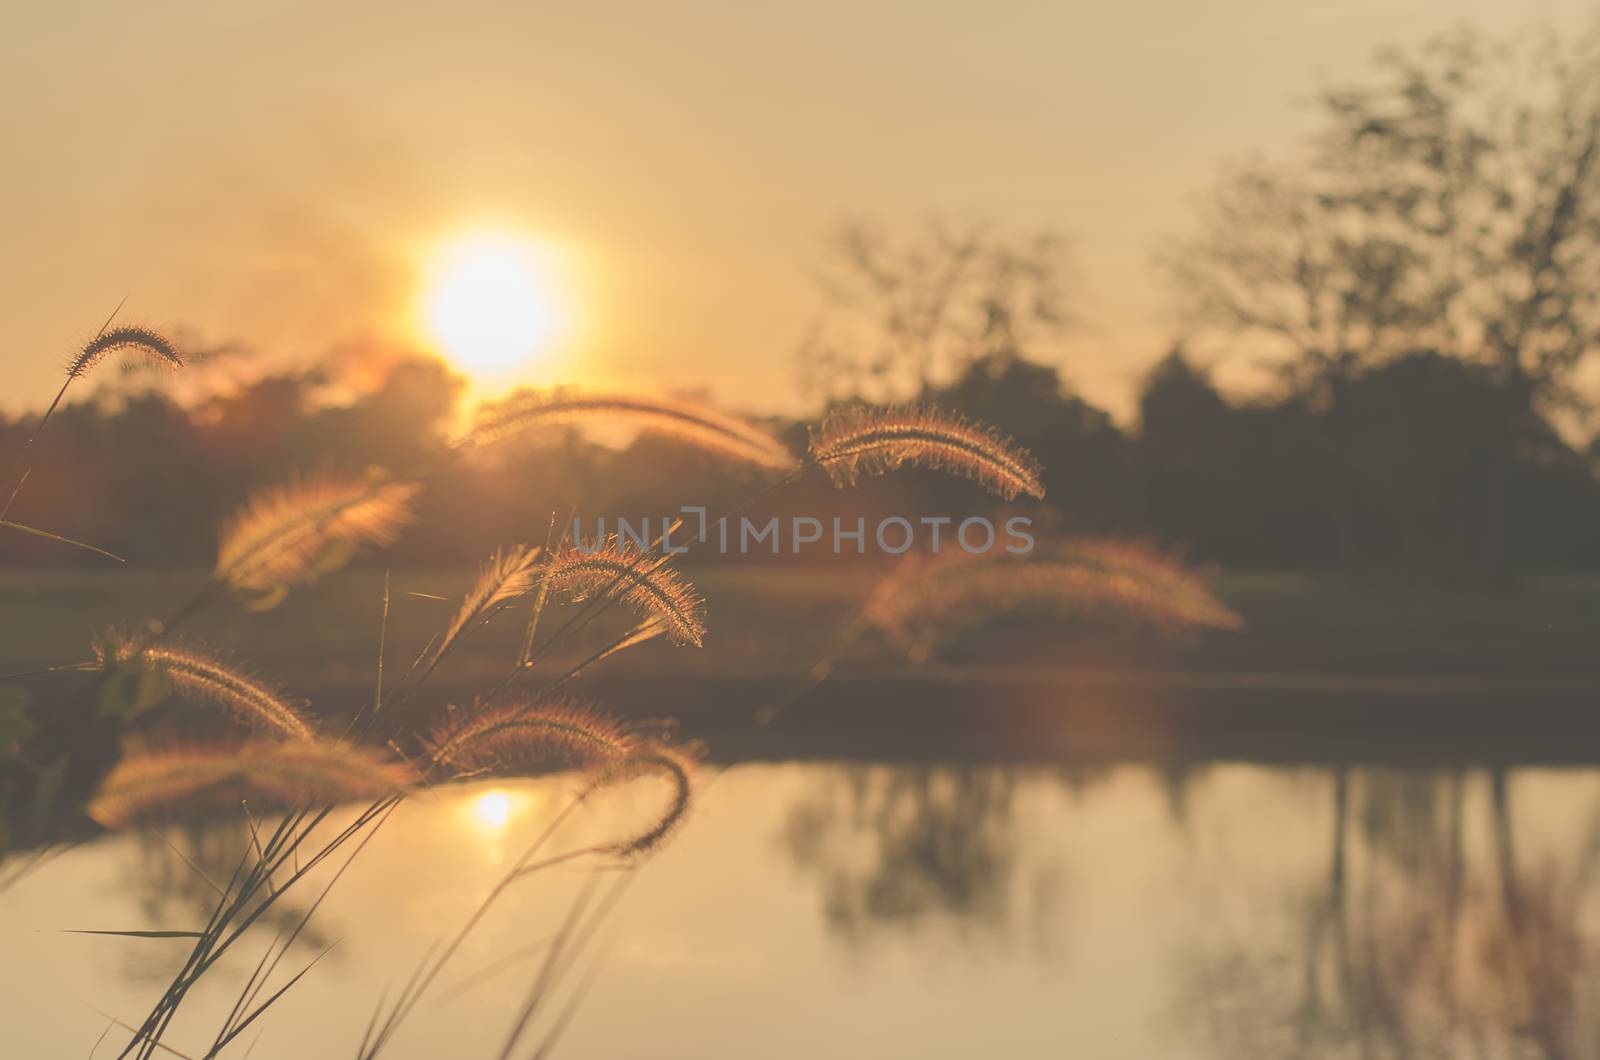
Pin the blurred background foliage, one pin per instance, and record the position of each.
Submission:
(1401, 473)
(1419, 279)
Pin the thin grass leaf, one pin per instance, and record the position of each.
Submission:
(48, 536)
(270, 1001)
(138, 934)
(139, 1035)
(643, 633)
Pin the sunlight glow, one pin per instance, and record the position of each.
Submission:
(492, 810)
(490, 305)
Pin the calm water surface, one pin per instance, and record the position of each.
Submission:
(873, 910)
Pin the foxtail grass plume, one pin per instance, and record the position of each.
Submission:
(868, 441)
(510, 573)
(510, 736)
(928, 604)
(326, 771)
(144, 782)
(313, 772)
(153, 346)
(293, 532)
(620, 570)
(1185, 596)
(676, 766)
(197, 676)
(689, 422)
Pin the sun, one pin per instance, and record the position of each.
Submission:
(490, 304)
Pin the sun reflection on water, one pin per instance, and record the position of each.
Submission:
(492, 810)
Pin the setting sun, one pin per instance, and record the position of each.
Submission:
(490, 305)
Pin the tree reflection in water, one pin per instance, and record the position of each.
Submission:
(1429, 935)
(1220, 910)
(914, 845)
(176, 873)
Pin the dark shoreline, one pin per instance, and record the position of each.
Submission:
(947, 715)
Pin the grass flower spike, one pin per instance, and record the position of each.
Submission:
(928, 604)
(677, 768)
(622, 571)
(866, 441)
(293, 532)
(151, 344)
(686, 421)
(318, 772)
(514, 735)
(509, 574)
(197, 676)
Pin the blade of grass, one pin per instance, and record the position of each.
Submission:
(48, 536)
(137, 934)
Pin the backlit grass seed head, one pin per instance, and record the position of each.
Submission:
(144, 783)
(197, 676)
(149, 781)
(509, 574)
(1184, 593)
(651, 759)
(867, 441)
(295, 531)
(325, 771)
(620, 570)
(153, 346)
(509, 736)
(687, 421)
(927, 604)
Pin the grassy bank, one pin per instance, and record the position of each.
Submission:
(769, 622)
(1325, 667)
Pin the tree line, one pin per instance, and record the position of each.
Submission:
(1422, 274)
(1394, 479)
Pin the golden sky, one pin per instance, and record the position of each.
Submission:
(277, 172)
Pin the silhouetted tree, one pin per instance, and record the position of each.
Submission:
(1089, 472)
(905, 313)
(1452, 204)
(1393, 479)
(1189, 452)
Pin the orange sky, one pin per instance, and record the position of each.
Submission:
(275, 172)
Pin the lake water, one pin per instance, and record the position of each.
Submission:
(833, 910)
